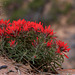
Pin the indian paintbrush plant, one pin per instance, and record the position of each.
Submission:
(30, 42)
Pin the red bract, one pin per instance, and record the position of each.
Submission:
(12, 43)
(48, 30)
(49, 43)
(14, 28)
(62, 47)
(37, 38)
(34, 56)
(4, 23)
(25, 27)
(1, 32)
(35, 43)
(37, 27)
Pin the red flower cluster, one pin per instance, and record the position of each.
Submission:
(48, 30)
(17, 28)
(3, 25)
(62, 47)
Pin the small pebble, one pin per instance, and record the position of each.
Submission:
(3, 67)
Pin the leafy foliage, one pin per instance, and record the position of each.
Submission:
(30, 42)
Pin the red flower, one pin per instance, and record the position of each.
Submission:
(13, 30)
(34, 56)
(37, 38)
(49, 43)
(48, 30)
(66, 56)
(37, 27)
(62, 47)
(58, 50)
(12, 43)
(25, 27)
(4, 23)
(34, 43)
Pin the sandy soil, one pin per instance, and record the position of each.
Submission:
(17, 68)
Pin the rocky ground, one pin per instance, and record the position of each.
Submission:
(13, 68)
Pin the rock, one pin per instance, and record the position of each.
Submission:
(3, 67)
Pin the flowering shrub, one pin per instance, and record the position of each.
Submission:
(30, 42)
